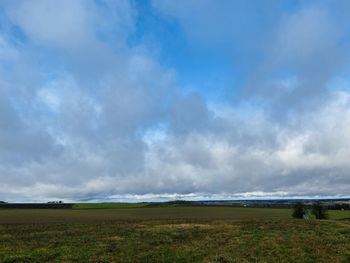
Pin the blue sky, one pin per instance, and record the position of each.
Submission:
(160, 99)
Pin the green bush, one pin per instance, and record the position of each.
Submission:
(299, 210)
(319, 210)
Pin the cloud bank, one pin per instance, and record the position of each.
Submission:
(88, 110)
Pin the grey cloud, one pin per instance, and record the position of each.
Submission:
(189, 114)
(77, 138)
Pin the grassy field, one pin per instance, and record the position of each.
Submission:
(171, 234)
(107, 205)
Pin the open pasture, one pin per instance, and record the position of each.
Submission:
(171, 234)
(11, 216)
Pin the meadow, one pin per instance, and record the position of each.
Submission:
(171, 234)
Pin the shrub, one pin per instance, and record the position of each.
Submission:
(319, 210)
(299, 210)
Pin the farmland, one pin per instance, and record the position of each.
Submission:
(170, 234)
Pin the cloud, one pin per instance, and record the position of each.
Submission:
(301, 157)
(189, 113)
(286, 57)
(60, 24)
(84, 115)
(303, 55)
(303, 161)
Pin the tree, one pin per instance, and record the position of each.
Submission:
(319, 210)
(299, 210)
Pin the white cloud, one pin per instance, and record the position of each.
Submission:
(110, 122)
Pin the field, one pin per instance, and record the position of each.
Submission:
(170, 234)
(108, 205)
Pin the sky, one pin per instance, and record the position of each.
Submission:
(133, 100)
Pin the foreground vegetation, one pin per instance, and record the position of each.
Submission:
(172, 234)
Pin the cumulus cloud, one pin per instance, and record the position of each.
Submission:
(84, 115)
